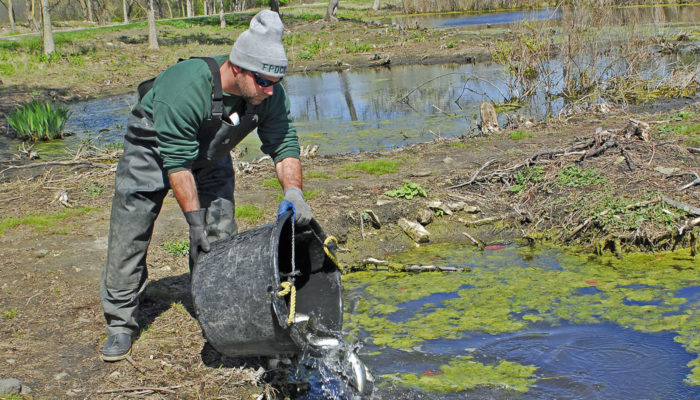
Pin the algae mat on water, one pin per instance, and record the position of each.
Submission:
(513, 289)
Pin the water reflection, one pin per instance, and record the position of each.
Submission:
(622, 15)
(359, 110)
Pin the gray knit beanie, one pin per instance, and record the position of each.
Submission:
(260, 49)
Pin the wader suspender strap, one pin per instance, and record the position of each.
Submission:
(217, 98)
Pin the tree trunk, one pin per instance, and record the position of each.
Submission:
(170, 9)
(222, 20)
(375, 6)
(89, 10)
(11, 15)
(152, 33)
(204, 4)
(49, 46)
(331, 13)
(275, 6)
(125, 10)
(190, 12)
(31, 20)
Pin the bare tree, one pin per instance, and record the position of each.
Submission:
(49, 46)
(152, 33)
(190, 9)
(375, 6)
(89, 10)
(10, 14)
(31, 20)
(125, 10)
(275, 6)
(331, 13)
(222, 20)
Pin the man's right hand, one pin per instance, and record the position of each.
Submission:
(198, 233)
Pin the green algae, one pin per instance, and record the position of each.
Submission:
(514, 289)
(463, 373)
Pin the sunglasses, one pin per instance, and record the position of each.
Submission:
(262, 81)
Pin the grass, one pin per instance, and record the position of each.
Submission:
(250, 213)
(519, 135)
(374, 167)
(9, 314)
(38, 120)
(271, 183)
(177, 247)
(310, 194)
(574, 176)
(42, 221)
(317, 175)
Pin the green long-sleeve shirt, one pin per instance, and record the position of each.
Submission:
(181, 99)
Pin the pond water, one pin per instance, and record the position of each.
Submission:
(676, 14)
(344, 112)
(528, 323)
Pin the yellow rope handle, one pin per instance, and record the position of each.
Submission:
(330, 254)
(288, 287)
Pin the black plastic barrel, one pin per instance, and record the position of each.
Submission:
(235, 287)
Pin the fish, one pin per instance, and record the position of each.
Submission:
(361, 379)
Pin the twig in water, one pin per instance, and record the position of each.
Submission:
(470, 238)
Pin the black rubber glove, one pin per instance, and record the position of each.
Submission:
(198, 234)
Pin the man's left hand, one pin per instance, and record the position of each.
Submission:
(295, 197)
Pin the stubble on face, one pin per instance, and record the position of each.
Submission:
(248, 90)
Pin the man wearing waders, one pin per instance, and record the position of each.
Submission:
(179, 136)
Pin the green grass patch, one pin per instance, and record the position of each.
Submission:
(356, 47)
(42, 221)
(574, 176)
(374, 167)
(38, 120)
(681, 115)
(312, 50)
(310, 194)
(9, 314)
(249, 212)
(271, 183)
(519, 135)
(317, 175)
(177, 247)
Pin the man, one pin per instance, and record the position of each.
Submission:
(179, 137)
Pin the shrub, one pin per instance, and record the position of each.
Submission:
(526, 176)
(39, 120)
(409, 190)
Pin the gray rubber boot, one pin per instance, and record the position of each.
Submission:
(117, 347)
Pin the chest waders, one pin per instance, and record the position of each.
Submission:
(141, 184)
